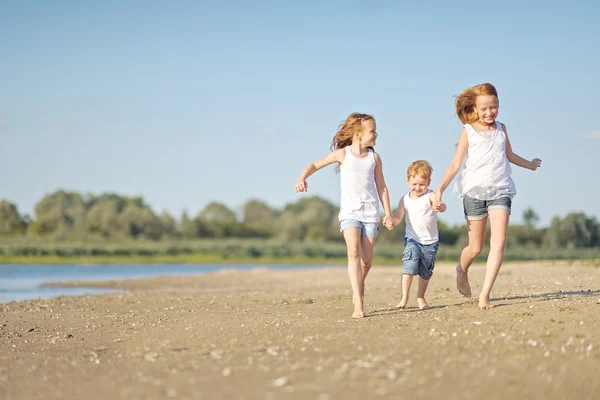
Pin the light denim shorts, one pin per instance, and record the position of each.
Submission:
(419, 259)
(370, 229)
(478, 209)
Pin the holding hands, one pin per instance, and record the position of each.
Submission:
(437, 202)
(391, 222)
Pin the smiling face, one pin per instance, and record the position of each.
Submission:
(486, 107)
(418, 185)
(368, 136)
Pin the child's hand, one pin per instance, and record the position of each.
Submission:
(386, 221)
(441, 208)
(301, 186)
(535, 164)
(390, 222)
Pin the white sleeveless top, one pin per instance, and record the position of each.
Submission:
(486, 173)
(360, 200)
(421, 219)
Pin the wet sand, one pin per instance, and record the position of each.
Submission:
(288, 335)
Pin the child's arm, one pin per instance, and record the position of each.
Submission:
(382, 189)
(399, 214)
(395, 219)
(333, 157)
(454, 167)
(518, 160)
(442, 206)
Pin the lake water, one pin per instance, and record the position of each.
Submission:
(24, 282)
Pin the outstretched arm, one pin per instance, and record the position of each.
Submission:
(454, 167)
(333, 157)
(382, 189)
(518, 160)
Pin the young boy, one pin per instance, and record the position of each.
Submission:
(421, 237)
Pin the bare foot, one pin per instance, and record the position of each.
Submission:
(403, 302)
(484, 304)
(462, 282)
(423, 304)
(358, 312)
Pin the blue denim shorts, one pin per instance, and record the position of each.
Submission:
(419, 259)
(478, 209)
(370, 229)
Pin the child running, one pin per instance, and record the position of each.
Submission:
(484, 184)
(421, 236)
(362, 187)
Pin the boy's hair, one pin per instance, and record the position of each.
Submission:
(419, 168)
(465, 102)
(346, 130)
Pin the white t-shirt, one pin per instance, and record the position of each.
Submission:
(421, 219)
(359, 198)
(486, 174)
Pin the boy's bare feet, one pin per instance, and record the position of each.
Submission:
(462, 282)
(423, 304)
(403, 302)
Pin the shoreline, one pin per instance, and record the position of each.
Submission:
(200, 259)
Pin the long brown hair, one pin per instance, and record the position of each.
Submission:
(348, 128)
(465, 102)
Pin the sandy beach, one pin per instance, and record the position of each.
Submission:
(288, 335)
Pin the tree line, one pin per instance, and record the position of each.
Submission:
(73, 216)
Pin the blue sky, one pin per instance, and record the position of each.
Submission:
(188, 102)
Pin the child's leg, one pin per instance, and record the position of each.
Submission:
(406, 282)
(498, 225)
(421, 289)
(426, 267)
(367, 245)
(476, 229)
(410, 267)
(352, 238)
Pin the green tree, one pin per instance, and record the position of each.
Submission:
(530, 218)
(168, 224)
(188, 229)
(61, 212)
(217, 220)
(11, 221)
(259, 218)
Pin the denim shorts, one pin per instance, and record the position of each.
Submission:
(419, 259)
(478, 209)
(370, 229)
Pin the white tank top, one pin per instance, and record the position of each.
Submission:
(486, 174)
(360, 200)
(421, 219)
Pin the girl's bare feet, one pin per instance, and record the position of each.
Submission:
(462, 282)
(484, 303)
(359, 312)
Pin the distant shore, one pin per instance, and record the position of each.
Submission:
(219, 259)
(177, 259)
